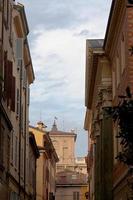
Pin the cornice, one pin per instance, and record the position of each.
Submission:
(20, 8)
(114, 21)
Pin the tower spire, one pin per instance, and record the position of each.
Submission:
(54, 127)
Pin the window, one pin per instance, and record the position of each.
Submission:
(10, 24)
(24, 79)
(75, 195)
(19, 48)
(22, 123)
(113, 83)
(6, 12)
(74, 176)
(22, 162)
(14, 196)
(28, 96)
(2, 134)
(17, 106)
(118, 70)
(9, 83)
(16, 152)
(65, 153)
(123, 63)
(11, 149)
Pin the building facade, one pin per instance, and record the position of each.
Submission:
(33, 155)
(64, 143)
(98, 97)
(80, 165)
(118, 44)
(16, 74)
(46, 164)
(71, 185)
(108, 74)
(71, 171)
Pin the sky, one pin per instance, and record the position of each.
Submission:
(57, 39)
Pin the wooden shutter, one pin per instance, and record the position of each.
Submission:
(74, 195)
(9, 82)
(13, 94)
(5, 71)
(22, 120)
(17, 108)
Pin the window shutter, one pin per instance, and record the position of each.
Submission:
(28, 96)
(17, 108)
(19, 48)
(77, 195)
(21, 119)
(9, 82)
(24, 79)
(74, 195)
(5, 71)
(13, 89)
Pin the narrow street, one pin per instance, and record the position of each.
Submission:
(66, 100)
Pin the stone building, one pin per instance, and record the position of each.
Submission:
(71, 176)
(46, 164)
(16, 72)
(118, 47)
(98, 97)
(64, 143)
(71, 185)
(108, 73)
(80, 165)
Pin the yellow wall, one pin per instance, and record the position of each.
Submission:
(84, 189)
(40, 164)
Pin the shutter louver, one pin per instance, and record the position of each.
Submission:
(13, 89)
(5, 72)
(9, 82)
(17, 109)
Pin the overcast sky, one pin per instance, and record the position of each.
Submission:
(58, 33)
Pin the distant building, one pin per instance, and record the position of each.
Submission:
(71, 185)
(64, 144)
(80, 165)
(71, 176)
(46, 164)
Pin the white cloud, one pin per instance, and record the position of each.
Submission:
(59, 30)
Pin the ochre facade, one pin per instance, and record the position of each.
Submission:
(46, 164)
